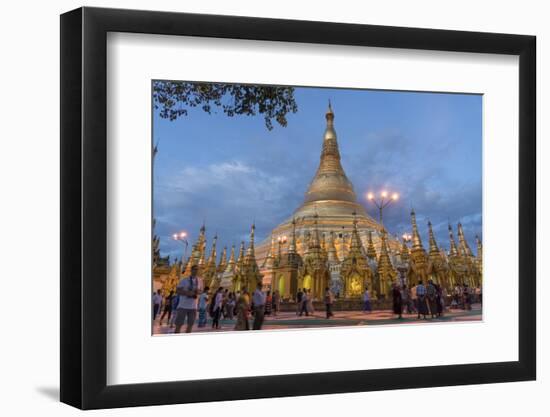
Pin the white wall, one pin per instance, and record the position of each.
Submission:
(29, 172)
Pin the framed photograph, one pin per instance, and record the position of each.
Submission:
(258, 208)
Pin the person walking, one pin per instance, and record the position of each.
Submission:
(175, 301)
(157, 301)
(407, 299)
(466, 295)
(439, 299)
(303, 303)
(258, 299)
(431, 295)
(329, 299)
(422, 308)
(367, 308)
(276, 302)
(309, 305)
(268, 303)
(230, 306)
(242, 308)
(299, 296)
(167, 308)
(217, 308)
(203, 305)
(188, 289)
(397, 301)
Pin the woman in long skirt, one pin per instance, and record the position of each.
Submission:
(397, 301)
(242, 308)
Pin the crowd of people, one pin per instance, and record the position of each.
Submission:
(431, 299)
(191, 299)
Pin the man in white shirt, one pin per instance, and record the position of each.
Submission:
(188, 289)
(258, 299)
(157, 301)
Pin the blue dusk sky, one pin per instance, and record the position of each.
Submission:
(231, 171)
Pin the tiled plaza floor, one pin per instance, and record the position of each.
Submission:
(289, 320)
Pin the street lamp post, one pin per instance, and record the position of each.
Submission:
(181, 237)
(384, 201)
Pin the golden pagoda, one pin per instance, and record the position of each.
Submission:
(355, 271)
(288, 266)
(386, 273)
(210, 275)
(228, 274)
(418, 261)
(457, 270)
(330, 208)
(197, 253)
(437, 266)
(223, 262)
(250, 272)
(314, 275)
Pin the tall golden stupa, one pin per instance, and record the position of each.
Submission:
(330, 210)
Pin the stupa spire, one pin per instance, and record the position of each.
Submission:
(433, 244)
(416, 241)
(330, 181)
(453, 251)
(240, 258)
(223, 260)
(356, 245)
(231, 263)
(463, 244)
(213, 255)
(371, 252)
(250, 255)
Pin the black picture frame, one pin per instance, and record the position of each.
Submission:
(84, 207)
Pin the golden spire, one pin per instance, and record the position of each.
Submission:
(453, 251)
(385, 266)
(434, 250)
(463, 244)
(416, 241)
(213, 255)
(371, 252)
(250, 257)
(269, 260)
(231, 263)
(404, 252)
(201, 244)
(330, 181)
(479, 248)
(223, 260)
(240, 259)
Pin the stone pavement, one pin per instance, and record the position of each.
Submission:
(289, 320)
